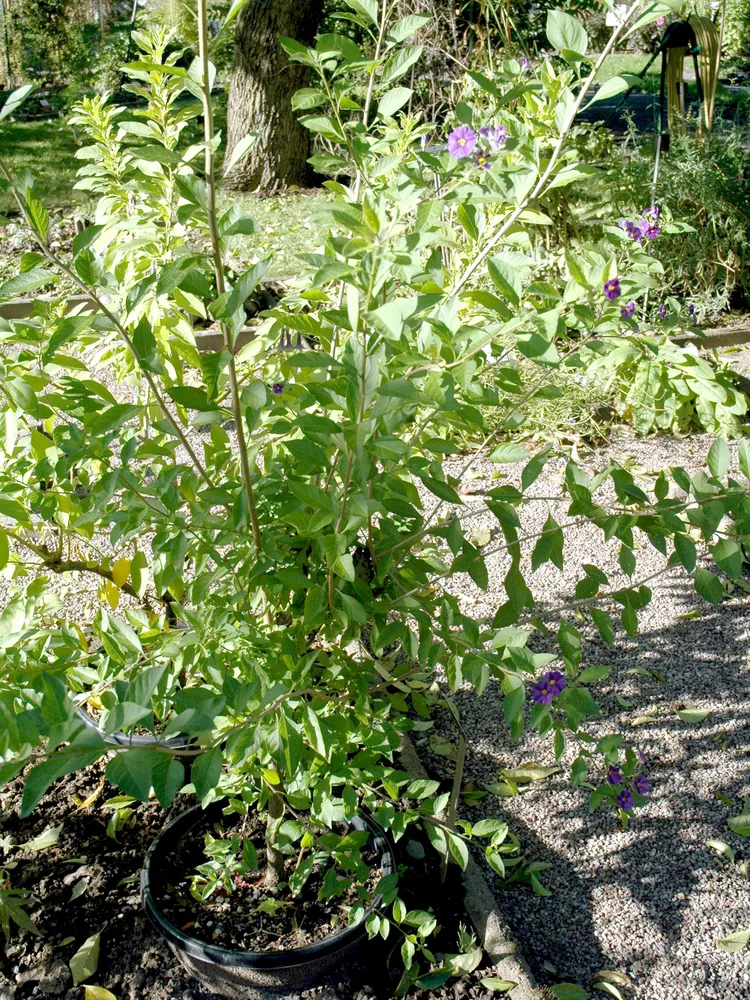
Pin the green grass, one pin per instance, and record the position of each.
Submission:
(630, 62)
(47, 148)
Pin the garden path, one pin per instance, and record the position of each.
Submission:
(651, 901)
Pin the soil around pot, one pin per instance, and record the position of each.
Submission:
(246, 918)
(135, 963)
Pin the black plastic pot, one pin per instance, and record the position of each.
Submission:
(120, 739)
(253, 975)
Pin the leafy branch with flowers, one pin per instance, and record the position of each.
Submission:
(284, 524)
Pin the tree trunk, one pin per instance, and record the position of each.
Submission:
(260, 93)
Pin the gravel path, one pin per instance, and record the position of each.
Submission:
(651, 901)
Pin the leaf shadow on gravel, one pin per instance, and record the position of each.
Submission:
(652, 900)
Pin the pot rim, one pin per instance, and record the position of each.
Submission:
(260, 960)
(121, 739)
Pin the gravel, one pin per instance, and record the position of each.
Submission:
(649, 902)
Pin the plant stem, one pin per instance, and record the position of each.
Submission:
(274, 857)
(213, 228)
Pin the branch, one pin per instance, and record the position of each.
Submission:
(208, 128)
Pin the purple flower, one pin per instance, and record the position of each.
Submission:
(625, 799)
(612, 289)
(495, 136)
(425, 140)
(277, 388)
(641, 784)
(525, 64)
(642, 757)
(628, 309)
(542, 692)
(663, 311)
(631, 229)
(461, 142)
(653, 212)
(483, 160)
(691, 311)
(614, 775)
(648, 229)
(556, 681)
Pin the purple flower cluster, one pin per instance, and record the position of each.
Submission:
(641, 784)
(612, 289)
(550, 685)
(463, 140)
(646, 228)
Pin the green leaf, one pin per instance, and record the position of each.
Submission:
(568, 991)
(718, 459)
(47, 839)
(393, 100)
(241, 150)
(534, 468)
(89, 267)
(168, 777)
(566, 34)
(728, 555)
(212, 365)
(367, 8)
(131, 771)
(614, 86)
(307, 98)
(14, 101)
(408, 26)
(527, 773)
(98, 993)
(740, 824)
(400, 63)
(497, 985)
(191, 398)
(693, 715)
(38, 215)
(603, 625)
(721, 847)
(509, 452)
(505, 277)
(734, 942)
(709, 586)
(29, 281)
(206, 771)
(85, 962)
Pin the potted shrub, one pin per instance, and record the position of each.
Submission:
(308, 549)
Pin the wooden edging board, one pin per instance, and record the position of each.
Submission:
(212, 340)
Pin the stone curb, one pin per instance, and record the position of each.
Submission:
(494, 934)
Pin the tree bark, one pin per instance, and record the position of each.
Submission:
(260, 93)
